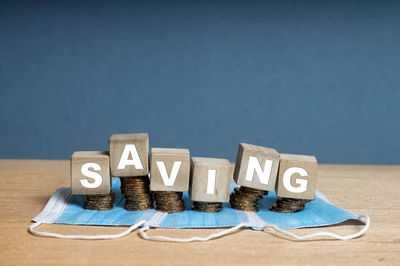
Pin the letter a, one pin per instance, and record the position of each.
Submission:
(130, 149)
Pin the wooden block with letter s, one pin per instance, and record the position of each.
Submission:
(210, 179)
(169, 169)
(129, 155)
(90, 173)
(297, 176)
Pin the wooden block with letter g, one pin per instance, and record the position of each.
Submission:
(90, 173)
(256, 167)
(297, 176)
(129, 154)
(169, 169)
(210, 179)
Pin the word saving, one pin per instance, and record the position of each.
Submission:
(206, 179)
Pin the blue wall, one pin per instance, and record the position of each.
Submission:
(308, 77)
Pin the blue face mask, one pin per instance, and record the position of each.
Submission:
(64, 208)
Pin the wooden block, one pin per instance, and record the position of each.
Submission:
(297, 176)
(90, 173)
(256, 167)
(169, 169)
(210, 179)
(129, 154)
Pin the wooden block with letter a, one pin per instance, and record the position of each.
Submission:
(169, 169)
(129, 155)
(256, 167)
(297, 176)
(90, 173)
(210, 179)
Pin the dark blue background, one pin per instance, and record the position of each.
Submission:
(314, 77)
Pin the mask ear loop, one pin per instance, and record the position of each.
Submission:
(363, 218)
(143, 234)
(84, 237)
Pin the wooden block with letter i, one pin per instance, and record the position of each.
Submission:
(297, 177)
(210, 180)
(90, 173)
(256, 167)
(129, 155)
(169, 169)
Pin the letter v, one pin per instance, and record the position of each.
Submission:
(169, 181)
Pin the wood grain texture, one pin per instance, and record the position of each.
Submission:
(26, 185)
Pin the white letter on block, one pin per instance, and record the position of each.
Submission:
(211, 181)
(96, 176)
(130, 149)
(168, 181)
(254, 165)
(302, 182)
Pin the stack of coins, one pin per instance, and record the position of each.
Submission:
(246, 199)
(202, 206)
(169, 201)
(288, 205)
(137, 193)
(100, 202)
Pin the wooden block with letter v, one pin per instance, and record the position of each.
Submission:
(169, 169)
(169, 178)
(90, 173)
(129, 155)
(297, 176)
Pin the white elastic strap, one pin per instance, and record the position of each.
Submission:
(363, 218)
(85, 237)
(143, 234)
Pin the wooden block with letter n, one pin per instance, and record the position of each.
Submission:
(256, 167)
(210, 179)
(129, 155)
(297, 177)
(169, 169)
(90, 173)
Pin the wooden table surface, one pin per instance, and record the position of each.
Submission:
(26, 186)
